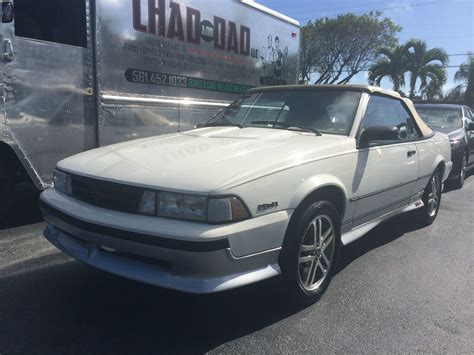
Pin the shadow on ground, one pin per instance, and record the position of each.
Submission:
(55, 305)
(448, 186)
(25, 209)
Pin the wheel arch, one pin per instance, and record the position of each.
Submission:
(440, 163)
(318, 188)
(8, 160)
(321, 187)
(16, 163)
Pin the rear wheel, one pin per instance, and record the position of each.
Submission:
(310, 254)
(459, 182)
(431, 199)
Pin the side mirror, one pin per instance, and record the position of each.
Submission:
(374, 135)
(471, 126)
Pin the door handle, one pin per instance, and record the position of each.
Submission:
(7, 50)
(411, 153)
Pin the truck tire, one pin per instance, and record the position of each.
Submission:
(310, 253)
(426, 215)
(7, 185)
(6, 193)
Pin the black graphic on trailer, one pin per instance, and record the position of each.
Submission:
(273, 60)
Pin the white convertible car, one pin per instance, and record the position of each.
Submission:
(274, 184)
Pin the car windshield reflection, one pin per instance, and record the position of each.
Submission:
(325, 111)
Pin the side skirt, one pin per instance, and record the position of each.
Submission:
(359, 231)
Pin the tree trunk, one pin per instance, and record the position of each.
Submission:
(413, 78)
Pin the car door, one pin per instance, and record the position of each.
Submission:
(386, 174)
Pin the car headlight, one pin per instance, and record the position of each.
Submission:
(182, 206)
(455, 143)
(193, 207)
(227, 209)
(147, 204)
(62, 182)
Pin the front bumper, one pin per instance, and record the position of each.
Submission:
(209, 258)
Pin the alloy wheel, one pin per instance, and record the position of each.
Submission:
(434, 195)
(316, 252)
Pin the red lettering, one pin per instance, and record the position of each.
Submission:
(225, 35)
(232, 44)
(245, 40)
(175, 28)
(155, 13)
(137, 16)
(219, 33)
(193, 25)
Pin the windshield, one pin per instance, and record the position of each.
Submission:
(441, 118)
(325, 111)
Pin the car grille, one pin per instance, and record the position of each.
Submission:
(105, 194)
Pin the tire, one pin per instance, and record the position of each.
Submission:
(6, 193)
(426, 215)
(308, 263)
(459, 181)
(7, 185)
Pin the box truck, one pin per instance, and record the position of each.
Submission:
(79, 74)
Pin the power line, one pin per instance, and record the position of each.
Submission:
(458, 54)
(334, 8)
(367, 70)
(449, 37)
(381, 9)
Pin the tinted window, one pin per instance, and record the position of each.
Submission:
(382, 111)
(60, 21)
(441, 117)
(328, 111)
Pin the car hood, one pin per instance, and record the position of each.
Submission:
(202, 160)
(457, 134)
(453, 133)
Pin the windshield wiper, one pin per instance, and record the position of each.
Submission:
(303, 129)
(288, 127)
(219, 124)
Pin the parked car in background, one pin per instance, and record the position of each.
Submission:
(458, 122)
(274, 184)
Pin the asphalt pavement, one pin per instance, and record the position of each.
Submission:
(400, 288)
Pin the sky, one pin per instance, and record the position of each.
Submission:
(447, 24)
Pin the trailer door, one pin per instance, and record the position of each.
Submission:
(48, 77)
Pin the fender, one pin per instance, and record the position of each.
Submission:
(432, 155)
(316, 182)
(447, 166)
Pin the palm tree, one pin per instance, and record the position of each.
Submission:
(464, 91)
(428, 66)
(393, 65)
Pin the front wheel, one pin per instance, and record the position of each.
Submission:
(431, 199)
(6, 193)
(310, 254)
